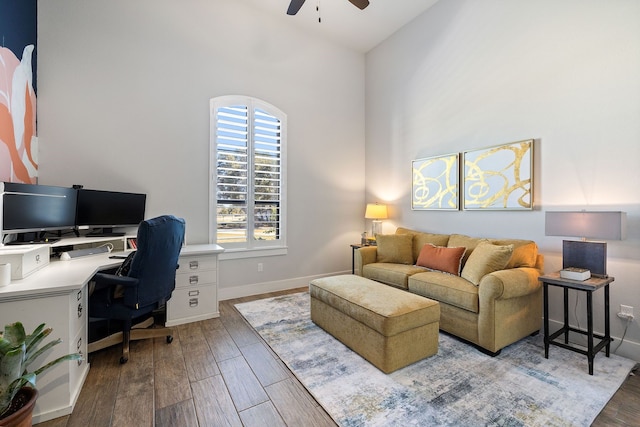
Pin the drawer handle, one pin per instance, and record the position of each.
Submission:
(193, 265)
(79, 310)
(193, 280)
(194, 293)
(78, 346)
(193, 302)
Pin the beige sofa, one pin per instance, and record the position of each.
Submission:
(493, 299)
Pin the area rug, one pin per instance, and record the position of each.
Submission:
(459, 386)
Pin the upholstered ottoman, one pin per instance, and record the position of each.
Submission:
(389, 327)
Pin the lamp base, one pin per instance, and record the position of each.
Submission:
(376, 227)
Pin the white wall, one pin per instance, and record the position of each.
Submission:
(123, 103)
(470, 74)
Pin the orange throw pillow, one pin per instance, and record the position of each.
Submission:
(447, 260)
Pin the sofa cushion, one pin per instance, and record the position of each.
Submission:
(448, 260)
(394, 248)
(446, 288)
(525, 253)
(390, 274)
(486, 258)
(457, 240)
(421, 238)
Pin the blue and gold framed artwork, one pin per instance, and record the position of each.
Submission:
(499, 177)
(435, 183)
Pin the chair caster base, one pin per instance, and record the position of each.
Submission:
(123, 360)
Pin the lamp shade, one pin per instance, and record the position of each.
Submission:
(375, 211)
(595, 225)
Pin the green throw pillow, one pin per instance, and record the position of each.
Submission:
(395, 248)
(486, 258)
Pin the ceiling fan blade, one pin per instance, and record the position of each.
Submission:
(360, 4)
(295, 6)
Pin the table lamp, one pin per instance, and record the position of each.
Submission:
(376, 212)
(585, 254)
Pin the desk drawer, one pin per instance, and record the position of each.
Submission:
(195, 278)
(196, 263)
(189, 303)
(78, 367)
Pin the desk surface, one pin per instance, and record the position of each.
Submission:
(62, 277)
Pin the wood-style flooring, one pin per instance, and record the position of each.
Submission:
(219, 372)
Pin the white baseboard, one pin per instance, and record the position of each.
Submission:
(628, 349)
(266, 287)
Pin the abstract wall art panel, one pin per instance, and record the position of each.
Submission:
(435, 183)
(18, 139)
(499, 177)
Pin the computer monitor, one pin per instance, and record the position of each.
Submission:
(102, 211)
(31, 210)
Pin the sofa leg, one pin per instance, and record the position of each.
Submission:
(487, 352)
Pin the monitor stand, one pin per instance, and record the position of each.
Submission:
(104, 232)
(33, 238)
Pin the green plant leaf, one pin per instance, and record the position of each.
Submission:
(30, 338)
(17, 352)
(14, 333)
(36, 338)
(73, 356)
(38, 352)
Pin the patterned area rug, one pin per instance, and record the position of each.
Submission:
(459, 386)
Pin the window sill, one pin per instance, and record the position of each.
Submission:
(252, 253)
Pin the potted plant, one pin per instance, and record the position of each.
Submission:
(17, 383)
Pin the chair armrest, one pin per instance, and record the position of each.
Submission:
(103, 280)
(363, 256)
(511, 283)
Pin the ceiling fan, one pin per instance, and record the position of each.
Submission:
(295, 5)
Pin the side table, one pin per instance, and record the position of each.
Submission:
(587, 286)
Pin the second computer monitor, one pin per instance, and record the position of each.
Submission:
(102, 211)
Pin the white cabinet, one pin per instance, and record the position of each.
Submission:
(78, 312)
(57, 296)
(196, 294)
(66, 313)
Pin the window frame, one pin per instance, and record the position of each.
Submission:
(251, 247)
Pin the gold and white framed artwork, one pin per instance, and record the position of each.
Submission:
(435, 183)
(499, 177)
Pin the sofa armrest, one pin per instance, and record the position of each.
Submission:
(363, 256)
(511, 283)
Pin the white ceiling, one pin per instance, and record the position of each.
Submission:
(344, 23)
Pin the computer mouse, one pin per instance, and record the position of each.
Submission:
(64, 256)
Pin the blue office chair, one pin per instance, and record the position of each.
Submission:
(144, 288)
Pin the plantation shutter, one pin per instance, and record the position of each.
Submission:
(248, 142)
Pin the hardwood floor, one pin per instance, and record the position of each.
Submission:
(219, 372)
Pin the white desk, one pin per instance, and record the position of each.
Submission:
(56, 295)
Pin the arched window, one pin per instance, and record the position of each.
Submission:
(248, 139)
